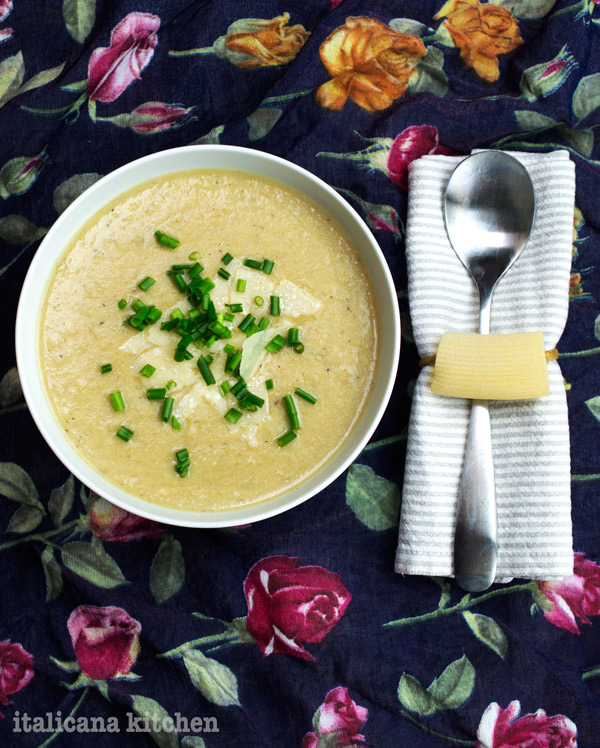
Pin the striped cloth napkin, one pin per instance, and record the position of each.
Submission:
(530, 438)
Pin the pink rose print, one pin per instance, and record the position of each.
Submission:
(112, 69)
(409, 145)
(576, 596)
(111, 523)
(16, 670)
(5, 34)
(155, 117)
(289, 606)
(106, 640)
(500, 728)
(5, 7)
(338, 715)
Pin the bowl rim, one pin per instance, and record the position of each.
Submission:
(26, 344)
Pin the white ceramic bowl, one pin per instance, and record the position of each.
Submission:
(127, 177)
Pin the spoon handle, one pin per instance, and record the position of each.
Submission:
(475, 548)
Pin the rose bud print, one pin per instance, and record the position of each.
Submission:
(255, 42)
(106, 640)
(18, 174)
(369, 63)
(5, 7)
(155, 117)
(111, 69)
(544, 79)
(409, 145)
(576, 596)
(501, 728)
(289, 606)
(481, 31)
(111, 523)
(16, 670)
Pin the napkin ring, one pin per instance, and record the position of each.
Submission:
(491, 367)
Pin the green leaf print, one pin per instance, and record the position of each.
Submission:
(52, 574)
(16, 485)
(79, 16)
(16, 229)
(71, 188)
(530, 121)
(61, 501)
(594, 406)
(449, 691)
(262, 121)
(90, 561)
(192, 741)
(487, 631)
(430, 76)
(527, 8)
(25, 519)
(12, 72)
(168, 570)
(157, 717)
(587, 96)
(215, 681)
(374, 500)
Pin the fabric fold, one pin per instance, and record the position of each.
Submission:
(530, 438)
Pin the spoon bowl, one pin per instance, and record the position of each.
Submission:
(489, 207)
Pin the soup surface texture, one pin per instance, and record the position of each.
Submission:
(323, 292)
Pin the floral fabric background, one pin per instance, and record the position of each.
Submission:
(294, 631)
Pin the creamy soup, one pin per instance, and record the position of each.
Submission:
(197, 446)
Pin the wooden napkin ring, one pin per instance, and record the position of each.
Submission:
(491, 367)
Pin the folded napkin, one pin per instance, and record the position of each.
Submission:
(530, 438)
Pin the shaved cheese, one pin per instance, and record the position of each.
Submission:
(184, 372)
(491, 367)
(295, 301)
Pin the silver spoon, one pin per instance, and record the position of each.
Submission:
(489, 207)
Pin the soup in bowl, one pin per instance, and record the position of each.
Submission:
(208, 336)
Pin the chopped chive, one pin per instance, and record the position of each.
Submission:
(125, 433)
(264, 323)
(219, 329)
(153, 315)
(254, 264)
(146, 283)
(224, 274)
(175, 424)
(179, 281)
(183, 462)
(228, 348)
(276, 344)
(269, 384)
(235, 307)
(168, 326)
(292, 338)
(157, 393)
(207, 374)
(246, 322)
(250, 397)
(137, 305)
(290, 406)
(234, 362)
(105, 368)
(194, 256)
(148, 370)
(233, 415)
(220, 316)
(299, 348)
(286, 438)
(182, 455)
(238, 388)
(267, 266)
(167, 409)
(259, 301)
(177, 314)
(275, 306)
(204, 304)
(245, 405)
(210, 340)
(209, 359)
(228, 317)
(122, 304)
(305, 395)
(167, 240)
(179, 268)
(170, 384)
(193, 313)
(224, 388)
(252, 329)
(227, 258)
(195, 270)
(241, 285)
(117, 401)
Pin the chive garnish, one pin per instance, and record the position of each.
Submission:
(122, 304)
(299, 348)
(233, 362)
(292, 338)
(205, 371)
(290, 406)
(167, 240)
(146, 283)
(179, 281)
(219, 329)
(229, 349)
(170, 384)
(224, 274)
(305, 395)
(194, 256)
(177, 314)
(157, 393)
(267, 266)
(241, 285)
(259, 301)
(276, 344)
(233, 415)
(264, 323)
(183, 462)
(238, 388)
(182, 455)
(167, 409)
(117, 401)
(246, 322)
(254, 264)
(153, 315)
(275, 306)
(105, 368)
(175, 424)
(228, 317)
(224, 388)
(286, 438)
(269, 384)
(148, 370)
(250, 397)
(235, 307)
(125, 433)
(195, 270)
(227, 258)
